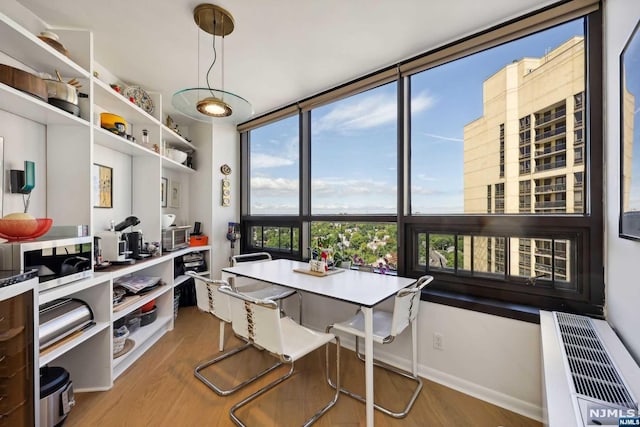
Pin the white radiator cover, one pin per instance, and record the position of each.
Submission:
(563, 406)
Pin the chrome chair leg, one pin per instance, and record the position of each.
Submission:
(225, 392)
(263, 390)
(388, 367)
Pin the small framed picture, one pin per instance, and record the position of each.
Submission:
(164, 188)
(102, 186)
(174, 194)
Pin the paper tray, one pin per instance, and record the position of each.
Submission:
(318, 273)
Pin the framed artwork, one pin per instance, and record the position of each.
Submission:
(164, 188)
(102, 186)
(174, 194)
(630, 137)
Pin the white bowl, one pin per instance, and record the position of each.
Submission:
(167, 220)
(176, 155)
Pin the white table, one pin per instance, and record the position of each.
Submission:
(360, 288)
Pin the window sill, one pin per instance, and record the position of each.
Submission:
(483, 305)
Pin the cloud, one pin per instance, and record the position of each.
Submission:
(274, 186)
(418, 190)
(422, 102)
(261, 161)
(340, 187)
(368, 112)
(424, 177)
(444, 138)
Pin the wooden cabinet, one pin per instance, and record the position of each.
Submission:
(19, 386)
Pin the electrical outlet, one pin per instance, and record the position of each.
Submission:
(438, 341)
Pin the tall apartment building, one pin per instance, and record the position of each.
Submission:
(526, 155)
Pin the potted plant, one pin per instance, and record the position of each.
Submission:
(342, 261)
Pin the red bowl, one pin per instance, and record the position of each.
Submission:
(148, 306)
(24, 229)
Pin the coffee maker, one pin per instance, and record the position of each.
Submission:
(135, 244)
(114, 248)
(116, 245)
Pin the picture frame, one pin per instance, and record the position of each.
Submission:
(629, 226)
(174, 193)
(102, 186)
(164, 188)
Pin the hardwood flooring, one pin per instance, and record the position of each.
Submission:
(161, 390)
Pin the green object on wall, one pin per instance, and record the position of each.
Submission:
(29, 177)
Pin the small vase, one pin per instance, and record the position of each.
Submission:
(345, 264)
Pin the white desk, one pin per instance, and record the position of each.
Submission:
(363, 289)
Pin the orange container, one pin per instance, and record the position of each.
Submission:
(200, 240)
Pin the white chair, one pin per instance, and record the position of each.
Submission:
(258, 289)
(386, 326)
(259, 322)
(209, 299)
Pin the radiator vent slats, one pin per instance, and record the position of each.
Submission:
(594, 375)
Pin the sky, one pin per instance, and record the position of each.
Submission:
(353, 148)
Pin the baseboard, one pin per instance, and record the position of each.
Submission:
(480, 392)
(467, 387)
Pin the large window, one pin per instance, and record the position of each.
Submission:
(478, 163)
(353, 154)
(274, 168)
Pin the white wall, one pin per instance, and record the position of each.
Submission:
(23, 140)
(621, 264)
(493, 358)
(226, 150)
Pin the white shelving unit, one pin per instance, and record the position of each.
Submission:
(24, 105)
(72, 146)
(88, 355)
(25, 47)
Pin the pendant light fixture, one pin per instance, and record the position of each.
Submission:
(209, 104)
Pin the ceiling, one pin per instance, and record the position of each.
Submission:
(281, 51)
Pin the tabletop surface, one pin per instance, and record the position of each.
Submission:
(357, 287)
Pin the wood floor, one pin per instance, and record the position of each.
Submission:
(161, 390)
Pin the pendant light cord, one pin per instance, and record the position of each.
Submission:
(215, 54)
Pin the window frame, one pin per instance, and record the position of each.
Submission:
(475, 293)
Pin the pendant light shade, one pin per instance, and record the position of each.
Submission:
(209, 104)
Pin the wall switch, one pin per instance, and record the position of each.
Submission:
(438, 341)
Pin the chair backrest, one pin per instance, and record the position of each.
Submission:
(257, 321)
(252, 257)
(407, 305)
(209, 298)
(246, 258)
